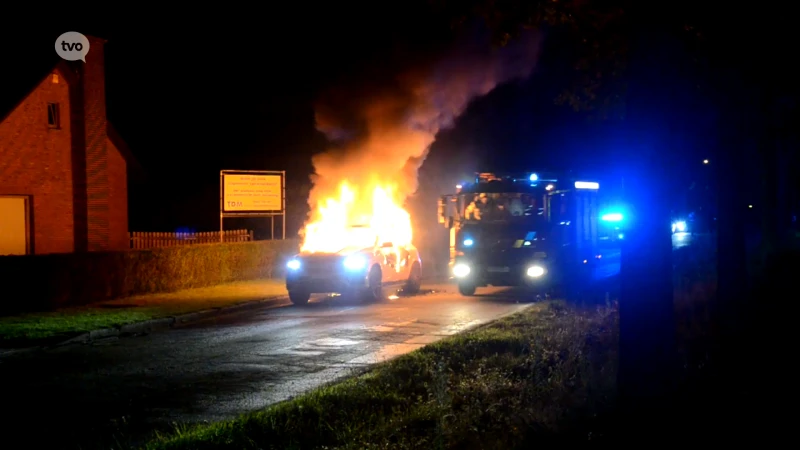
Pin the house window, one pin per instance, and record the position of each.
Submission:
(53, 115)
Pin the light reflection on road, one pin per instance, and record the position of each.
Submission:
(220, 368)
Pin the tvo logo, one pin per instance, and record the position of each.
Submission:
(72, 46)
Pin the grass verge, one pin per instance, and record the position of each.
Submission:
(18, 329)
(544, 373)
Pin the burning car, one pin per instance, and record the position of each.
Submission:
(354, 271)
(356, 245)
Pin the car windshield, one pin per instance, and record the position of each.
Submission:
(505, 207)
(490, 234)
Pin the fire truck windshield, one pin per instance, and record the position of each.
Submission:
(500, 207)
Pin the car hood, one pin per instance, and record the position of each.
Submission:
(326, 256)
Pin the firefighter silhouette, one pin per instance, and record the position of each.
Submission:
(478, 208)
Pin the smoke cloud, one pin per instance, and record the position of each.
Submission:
(382, 134)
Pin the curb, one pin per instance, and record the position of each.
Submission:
(145, 327)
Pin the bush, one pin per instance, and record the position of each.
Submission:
(57, 280)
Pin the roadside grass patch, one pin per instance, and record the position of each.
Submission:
(46, 325)
(542, 374)
(24, 328)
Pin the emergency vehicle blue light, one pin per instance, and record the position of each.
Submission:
(612, 217)
(468, 242)
(587, 185)
(534, 177)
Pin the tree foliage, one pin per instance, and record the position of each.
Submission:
(600, 34)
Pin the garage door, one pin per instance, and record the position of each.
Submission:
(13, 226)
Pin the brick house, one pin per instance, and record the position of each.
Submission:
(63, 167)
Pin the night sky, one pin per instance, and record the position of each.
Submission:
(196, 93)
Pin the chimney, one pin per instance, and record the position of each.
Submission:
(90, 158)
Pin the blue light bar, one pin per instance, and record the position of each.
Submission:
(587, 185)
(612, 217)
(534, 177)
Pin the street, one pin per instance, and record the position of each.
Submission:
(120, 390)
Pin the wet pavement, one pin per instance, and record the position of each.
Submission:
(120, 390)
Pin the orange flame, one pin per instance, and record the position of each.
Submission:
(358, 220)
(382, 132)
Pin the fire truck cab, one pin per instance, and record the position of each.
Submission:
(532, 230)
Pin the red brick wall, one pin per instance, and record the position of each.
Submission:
(117, 200)
(36, 160)
(97, 176)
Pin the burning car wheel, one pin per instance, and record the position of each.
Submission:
(298, 297)
(467, 289)
(414, 280)
(374, 285)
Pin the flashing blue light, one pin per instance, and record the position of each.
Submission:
(620, 236)
(293, 264)
(612, 217)
(587, 185)
(534, 177)
(355, 262)
(679, 226)
(468, 242)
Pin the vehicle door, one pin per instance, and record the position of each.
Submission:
(404, 266)
(391, 262)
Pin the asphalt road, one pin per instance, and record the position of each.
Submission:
(120, 390)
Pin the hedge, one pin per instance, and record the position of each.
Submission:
(42, 282)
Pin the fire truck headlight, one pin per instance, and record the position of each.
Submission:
(355, 262)
(461, 270)
(468, 242)
(535, 271)
(293, 264)
(679, 226)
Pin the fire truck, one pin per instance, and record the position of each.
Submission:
(533, 230)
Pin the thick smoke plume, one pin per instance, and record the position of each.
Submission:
(382, 135)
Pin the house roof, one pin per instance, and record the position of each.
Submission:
(123, 148)
(18, 83)
(24, 79)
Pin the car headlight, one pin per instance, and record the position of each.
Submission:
(535, 271)
(293, 264)
(461, 270)
(355, 262)
(468, 242)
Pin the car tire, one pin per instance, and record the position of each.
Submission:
(299, 297)
(466, 289)
(374, 291)
(414, 282)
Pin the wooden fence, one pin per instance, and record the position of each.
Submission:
(141, 240)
